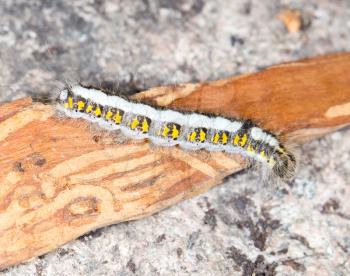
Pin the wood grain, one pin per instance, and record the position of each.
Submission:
(61, 178)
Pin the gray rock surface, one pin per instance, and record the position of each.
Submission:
(303, 229)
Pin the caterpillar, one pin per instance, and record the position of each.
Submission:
(166, 127)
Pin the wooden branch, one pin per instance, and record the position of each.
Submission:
(61, 178)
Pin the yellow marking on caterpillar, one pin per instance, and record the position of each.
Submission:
(117, 118)
(165, 131)
(250, 148)
(191, 137)
(202, 135)
(262, 154)
(236, 139)
(109, 114)
(81, 105)
(216, 138)
(88, 109)
(145, 126)
(224, 138)
(98, 111)
(244, 140)
(66, 105)
(134, 124)
(175, 133)
(70, 102)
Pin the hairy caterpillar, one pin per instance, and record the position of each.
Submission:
(164, 127)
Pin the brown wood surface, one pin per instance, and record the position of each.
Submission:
(61, 178)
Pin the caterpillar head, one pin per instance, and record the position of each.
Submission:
(285, 164)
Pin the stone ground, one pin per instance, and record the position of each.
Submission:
(134, 45)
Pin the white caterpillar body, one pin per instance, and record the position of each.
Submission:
(192, 131)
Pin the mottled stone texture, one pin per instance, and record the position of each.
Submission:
(303, 229)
